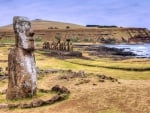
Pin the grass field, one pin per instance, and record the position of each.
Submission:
(131, 96)
(131, 69)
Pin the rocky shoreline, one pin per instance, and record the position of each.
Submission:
(106, 51)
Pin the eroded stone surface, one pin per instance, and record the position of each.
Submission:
(21, 62)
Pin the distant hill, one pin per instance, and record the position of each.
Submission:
(39, 24)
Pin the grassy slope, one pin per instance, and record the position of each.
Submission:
(100, 66)
(124, 69)
(44, 25)
(130, 96)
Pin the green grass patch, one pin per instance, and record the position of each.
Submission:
(39, 95)
(75, 64)
(7, 41)
(111, 110)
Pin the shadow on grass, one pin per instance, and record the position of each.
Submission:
(117, 68)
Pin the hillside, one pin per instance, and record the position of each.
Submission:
(102, 35)
(44, 25)
(48, 30)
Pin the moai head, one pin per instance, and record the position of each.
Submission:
(23, 32)
(68, 40)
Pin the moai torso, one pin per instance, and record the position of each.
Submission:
(22, 80)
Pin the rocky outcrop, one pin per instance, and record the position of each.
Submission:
(103, 78)
(22, 80)
(138, 39)
(105, 51)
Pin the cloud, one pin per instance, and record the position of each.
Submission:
(107, 12)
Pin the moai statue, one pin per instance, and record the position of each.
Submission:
(50, 45)
(58, 46)
(64, 44)
(44, 45)
(47, 45)
(61, 45)
(54, 45)
(68, 45)
(22, 78)
(71, 47)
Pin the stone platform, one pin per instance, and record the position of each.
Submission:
(65, 53)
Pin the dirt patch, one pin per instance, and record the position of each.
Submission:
(3, 60)
(128, 97)
(131, 96)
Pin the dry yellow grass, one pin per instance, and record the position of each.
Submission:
(131, 96)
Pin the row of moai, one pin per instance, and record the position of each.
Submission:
(59, 45)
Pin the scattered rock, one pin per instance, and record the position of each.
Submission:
(37, 103)
(60, 90)
(103, 78)
(83, 81)
(81, 73)
(41, 71)
(13, 105)
(3, 105)
(70, 74)
(56, 98)
(25, 105)
(94, 84)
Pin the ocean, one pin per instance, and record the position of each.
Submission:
(141, 50)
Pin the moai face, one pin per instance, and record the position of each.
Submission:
(23, 32)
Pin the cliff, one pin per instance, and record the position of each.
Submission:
(102, 35)
(49, 30)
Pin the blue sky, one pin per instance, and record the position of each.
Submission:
(126, 13)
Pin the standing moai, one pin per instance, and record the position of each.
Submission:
(22, 78)
(68, 44)
(47, 45)
(61, 45)
(44, 45)
(71, 47)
